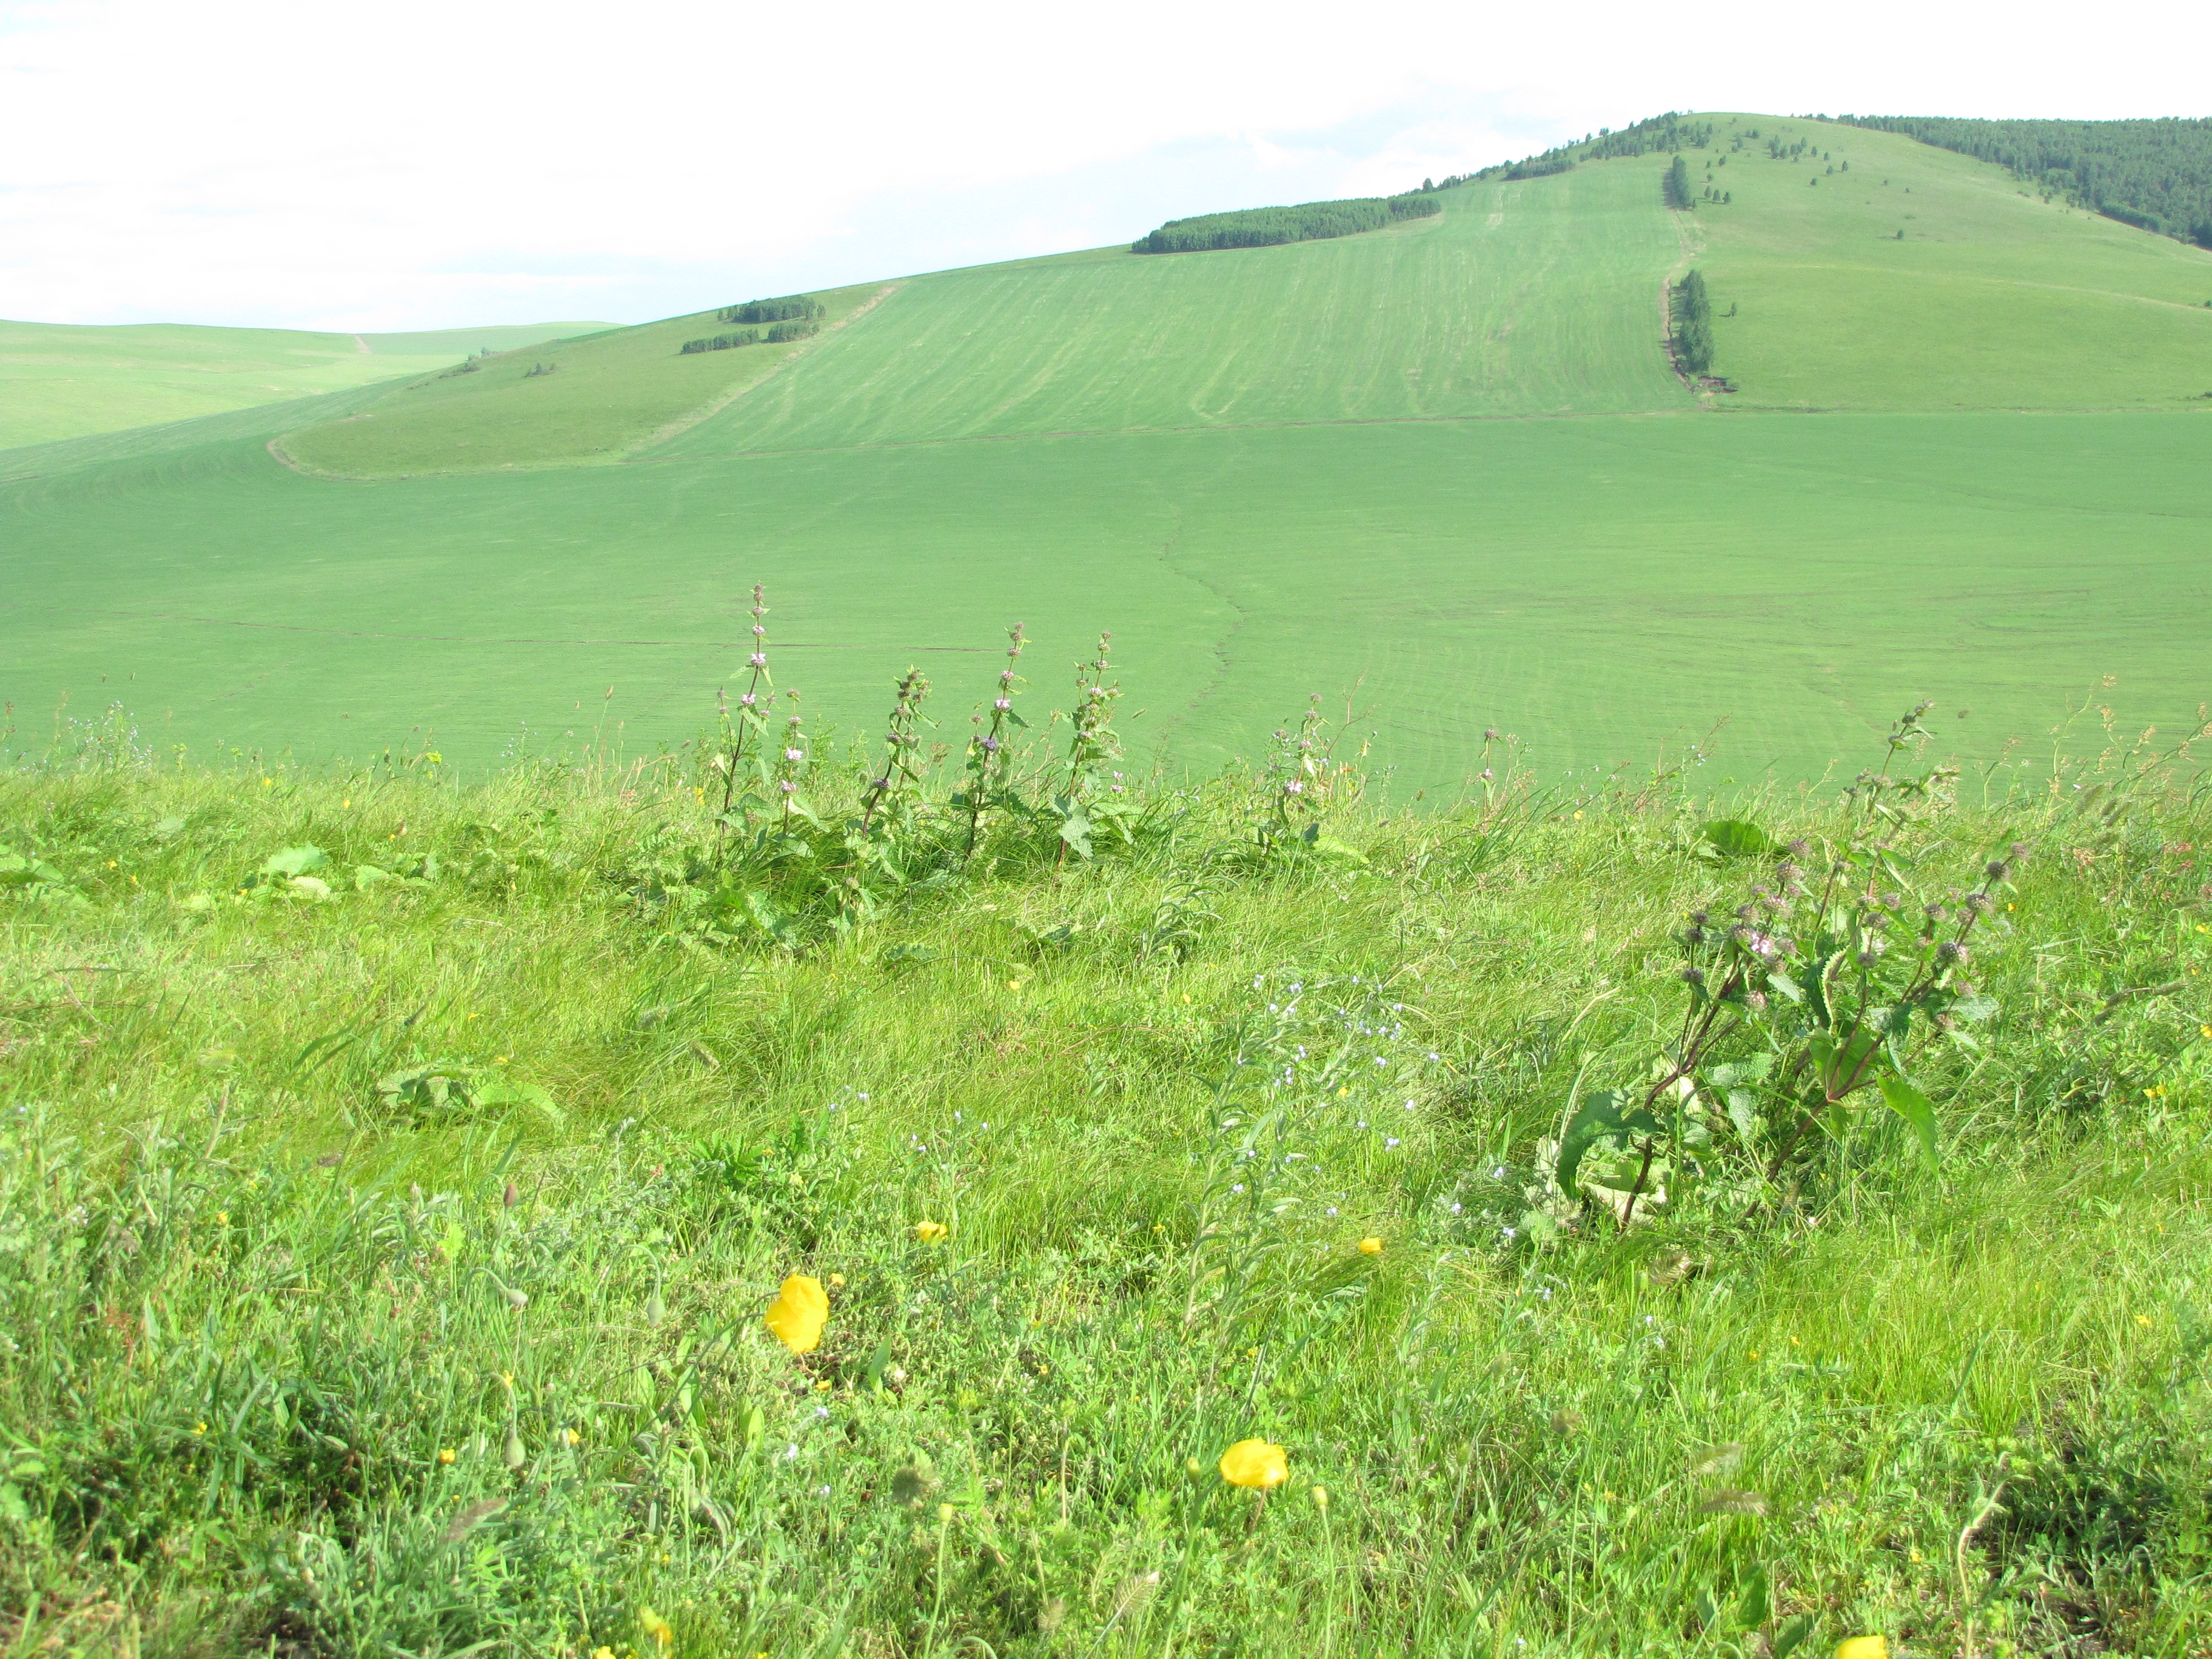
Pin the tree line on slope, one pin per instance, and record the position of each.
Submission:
(1655, 135)
(794, 317)
(1691, 310)
(2154, 174)
(803, 307)
(1270, 226)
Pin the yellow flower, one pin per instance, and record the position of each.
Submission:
(506, 1380)
(572, 1436)
(1321, 1497)
(837, 1281)
(1863, 1647)
(222, 1217)
(655, 1626)
(447, 1456)
(929, 1232)
(2143, 1319)
(799, 1312)
(603, 1653)
(1370, 1247)
(199, 1428)
(1258, 1465)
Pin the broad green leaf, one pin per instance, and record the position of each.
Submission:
(295, 862)
(1908, 1104)
(1603, 1116)
(1755, 1607)
(1738, 838)
(1791, 1635)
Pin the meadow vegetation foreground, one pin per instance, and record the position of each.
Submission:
(976, 1202)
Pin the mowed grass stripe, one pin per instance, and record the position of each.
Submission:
(1531, 298)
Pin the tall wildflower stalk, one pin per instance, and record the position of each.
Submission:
(988, 757)
(748, 720)
(791, 765)
(902, 772)
(1087, 799)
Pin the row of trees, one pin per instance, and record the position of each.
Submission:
(1655, 135)
(803, 307)
(1692, 319)
(2154, 174)
(777, 334)
(1676, 187)
(1270, 227)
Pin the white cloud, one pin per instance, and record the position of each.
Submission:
(414, 164)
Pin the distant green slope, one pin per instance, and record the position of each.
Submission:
(1600, 585)
(1994, 299)
(1537, 297)
(586, 400)
(62, 380)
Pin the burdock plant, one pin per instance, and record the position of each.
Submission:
(1810, 997)
(989, 756)
(749, 720)
(1092, 796)
(889, 806)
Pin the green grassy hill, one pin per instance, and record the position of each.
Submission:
(1440, 471)
(590, 400)
(61, 380)
(1523, 298)
(1994, 299)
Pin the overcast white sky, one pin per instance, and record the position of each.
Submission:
(427, 163)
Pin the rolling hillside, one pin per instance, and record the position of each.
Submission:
(1524, 299)
(62, 380)
(1993, 298)
(590, 400)
(1440, 472)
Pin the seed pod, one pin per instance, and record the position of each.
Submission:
(516, 1457)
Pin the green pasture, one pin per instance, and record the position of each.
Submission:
(587, 400)
(393, 1177)
(1994, 299)
(62, 380)
(1521, 299)
(1440, 474)
(1603, 587)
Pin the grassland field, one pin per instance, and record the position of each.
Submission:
(385, 1231)
(61, 381)
(1440, 473)
(418, 1085)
